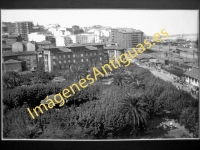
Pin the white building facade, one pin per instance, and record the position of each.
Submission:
(192, 77)
(37, 37)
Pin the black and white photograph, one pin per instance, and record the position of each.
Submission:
(99, 74)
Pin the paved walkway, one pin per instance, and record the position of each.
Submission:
(168, 77)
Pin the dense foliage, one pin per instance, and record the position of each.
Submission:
(98, 111)
(13, 79)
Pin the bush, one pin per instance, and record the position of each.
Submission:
(94, 111)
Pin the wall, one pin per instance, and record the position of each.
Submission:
(73, 38)
(30, 46)
(36, 37)
(17, 47)
(13, 67)
(192, 81)
(60, 41)
(31, 60)
(47, 61)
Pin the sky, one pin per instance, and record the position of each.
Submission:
(148, 21)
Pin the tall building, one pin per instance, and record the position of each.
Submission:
(4, 29)
(76, 30)
(127, 38)
(24, 28)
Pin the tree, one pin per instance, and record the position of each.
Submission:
(135, 110)
(79, 71)
(11, 80)
(121, 77)
(118, 79)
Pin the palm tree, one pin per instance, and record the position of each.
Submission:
(121, 77)
(118, 79)
(136, 110)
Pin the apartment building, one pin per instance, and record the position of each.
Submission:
(127, 38)
(85, 38)
(62, 58)
(24, 28)
(80, 38)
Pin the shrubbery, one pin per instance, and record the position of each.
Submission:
(98, 110)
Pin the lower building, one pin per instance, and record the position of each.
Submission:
(12, 65)
(192, 77)
(28, 59)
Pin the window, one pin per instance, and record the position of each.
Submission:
(59, 62)
(63, 56)
(59, 56)
(81, 55)
(87, 59)
(90, 54)
(68, 56)
(81, 60)
(54, 62)
(64, 61)
(73, 55)
(94, 53)
(74, 61)
(100, 58)
(69, 61)
(86, 54)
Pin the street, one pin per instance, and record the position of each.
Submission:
(168, 77)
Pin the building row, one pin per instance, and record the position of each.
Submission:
(47, 57)
(125, 37)
(191, 75)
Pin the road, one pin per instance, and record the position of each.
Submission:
(168, 77)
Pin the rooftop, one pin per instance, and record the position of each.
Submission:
(91, 48)
(127, 30)
(113, 47)
(93, 44)
(18, 53)
(63, 49)
(109, 42)
(44, 42)
(11, 61)
(194, 73)
(75, 45)
(40, 49)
